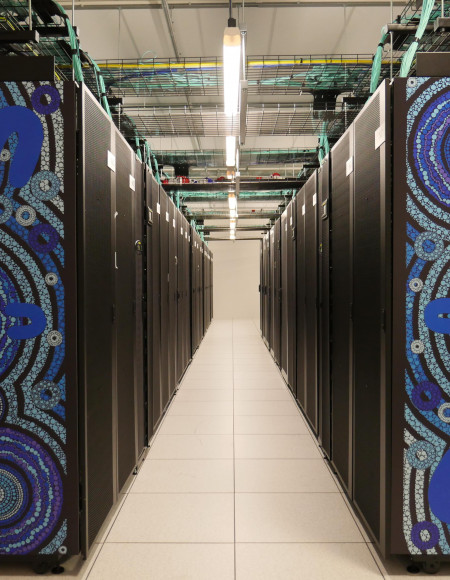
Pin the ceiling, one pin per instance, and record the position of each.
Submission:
(163, 59)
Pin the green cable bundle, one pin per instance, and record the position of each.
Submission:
(408, 57)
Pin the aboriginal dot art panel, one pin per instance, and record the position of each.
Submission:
(426, 433)
(33, 398)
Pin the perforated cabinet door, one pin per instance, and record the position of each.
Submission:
(301, 299)
(284, 292)
(291, 296)
(173, 285)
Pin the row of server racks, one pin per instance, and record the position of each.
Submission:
(355, 308)
(105, 294)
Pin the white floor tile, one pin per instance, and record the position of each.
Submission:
(205, 395)
(271, 408)
(270, 425)
(208, 408)
(283, 476)
(192, 447)
(196, 518)
(262, 395)
(185, 476)
(275, 447)
(294, 517)
(308, 561)
(190, 425)
(165, 562)
(207, 383)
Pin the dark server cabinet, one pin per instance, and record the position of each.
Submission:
(284, 267)
(180, 302)
(124, 300)
(301, 298)
(341, 298)
(371, 271)
(271, 287)
(201, 293)
(153, 301)
(291, 296)
(265, 286)
(277, 292)
(324, 211)
(311, 299)
(187, 292)
(165, 296)
(172, 288)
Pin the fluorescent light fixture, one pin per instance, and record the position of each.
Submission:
(233, 213)
(232, 224)
(230, 151)
(231, 68)
(232, 202)
(232, 235)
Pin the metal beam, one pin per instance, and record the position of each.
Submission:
(266, 215)
(225, 186)
(185, 4)
(226, 229)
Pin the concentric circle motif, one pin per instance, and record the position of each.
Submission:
(432, 393)
(51, 279)
(45, 185)
(442, 412)
(423, 252)
(46, 395)
(49, 107)
(7, 207)
(416, 285)
(30, 493)
(421, 454)
(5, 155)
(417, 347)
(25, 215)
(43, 238)
(54, 338)
(431, 143)
(411, 82)
(425, 535)
(8, 346)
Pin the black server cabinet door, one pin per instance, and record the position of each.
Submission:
(187, 293)
(301, 298)
(96, 324)
(291, 296)
(212, 286)
(180, 302)
(268, 311)
(154, 316)
(341, 243)
(261, 287)
(125, 315)
(150, 218)
(324, 205)
(202, 290)
(371, 173)
(283, 293)
(311, 299)
(140, 364)
(165, 298)
(277, 292)
(194, 315)
(173, 285)
(38, 281)
(272, 288)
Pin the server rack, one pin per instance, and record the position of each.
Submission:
(341, 300)
(172, 289)
(291, 297)
(81, 259)
(301, 298)
(284, 267)
(276, 336)
(180, 296)
(324, 379)
(164, 234)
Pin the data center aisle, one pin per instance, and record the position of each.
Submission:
(234, 485)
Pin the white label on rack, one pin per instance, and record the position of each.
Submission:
(285, 227)
(181, 231)
(111, 161)
(315, 199)
(158, 208)
(132, 183)
(290, 221)
(167, 216)
(185, 235)
(349, 167)
(380, 136)
(189, 238)
(173, 223)
(303, 209)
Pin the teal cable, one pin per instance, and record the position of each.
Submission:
(408, 57)
(74, 45)
(376, 65)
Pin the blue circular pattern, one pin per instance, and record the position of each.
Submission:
(430, 390)
(421, 454)
(43, 230)
(432, 148)
(46, 395)
(31, 488)
(7, 209)
(8, 346)
(44, 177)
(433, 533)
(49, 108)
(25, 215)
(422, 251)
